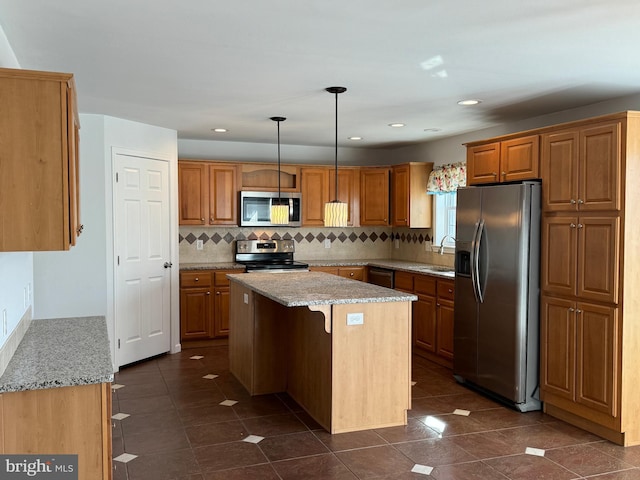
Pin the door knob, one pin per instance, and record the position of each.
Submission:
(169, 265)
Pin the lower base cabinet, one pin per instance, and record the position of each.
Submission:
(204, 305)
(56, 421)
(432, 315)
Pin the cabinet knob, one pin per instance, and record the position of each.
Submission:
(208, 293)
(196, 279)
(504, 174)
(351, 274)
(580, 225)
(217, 293)
(578, 311)
(211, 220)
(450, 290)
(572, 201)
(572, 225)
(494, 174)
(571, 309)
(202, 219)
(580, 201)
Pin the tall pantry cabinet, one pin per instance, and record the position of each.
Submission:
(590, 274)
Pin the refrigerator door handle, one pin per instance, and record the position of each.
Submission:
(476, 263)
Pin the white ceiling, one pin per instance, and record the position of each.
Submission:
(193, 65)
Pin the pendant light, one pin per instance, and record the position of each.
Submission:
(279, 211)
(335, 211)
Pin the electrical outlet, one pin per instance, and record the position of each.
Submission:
(427, 246)
(355, 318)
(327, 243)
(396, 243)
(245, 297)
(199, 244)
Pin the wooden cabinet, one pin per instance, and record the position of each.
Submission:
(315, 193)
(66, 420)
(581, 168)
(410, 204)
(503, 161)
(264, 177)
(432, 315)
(355, 273)
(374, 196)
(204, 304)
(208, 193)
(39, 177)
(580, 256)
(590, 248)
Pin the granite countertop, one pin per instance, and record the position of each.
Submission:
(404, 265)
(61, 352)
(301, 289)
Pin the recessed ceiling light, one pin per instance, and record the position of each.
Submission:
(355, 138)
(219, 130)
(396, 125)
(469, 102)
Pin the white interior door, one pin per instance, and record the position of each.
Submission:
(142, 249)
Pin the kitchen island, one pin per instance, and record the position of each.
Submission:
(339, 347)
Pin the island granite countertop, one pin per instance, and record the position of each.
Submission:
(61, 352)
(317, 288)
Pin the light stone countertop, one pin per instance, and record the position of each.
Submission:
(404, 265)
(301, 289)
(61, 352)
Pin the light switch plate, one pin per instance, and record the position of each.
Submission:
(355, 318)
(396, 243)
(199, 244)
(327, 243)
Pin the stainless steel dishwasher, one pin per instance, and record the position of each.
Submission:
(381, 276)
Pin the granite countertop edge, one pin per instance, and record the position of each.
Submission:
(64, 352)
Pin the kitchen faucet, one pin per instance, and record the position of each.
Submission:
(441, 250)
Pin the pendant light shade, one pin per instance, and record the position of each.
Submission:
(279, 211)
(336, 213)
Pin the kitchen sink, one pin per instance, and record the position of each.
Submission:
(438, 269)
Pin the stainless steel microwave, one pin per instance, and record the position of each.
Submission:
(255, 208)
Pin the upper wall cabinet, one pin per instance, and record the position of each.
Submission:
(374, 196)
(264, 177)
(39, 183)
(208, 193)
(410, 204)
(503, 161)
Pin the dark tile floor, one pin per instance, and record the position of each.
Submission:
(177, 429)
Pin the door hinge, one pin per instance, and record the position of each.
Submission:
(118, 343)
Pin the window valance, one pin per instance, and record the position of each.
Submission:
(447, 178)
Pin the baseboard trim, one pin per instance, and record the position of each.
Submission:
(11, 345)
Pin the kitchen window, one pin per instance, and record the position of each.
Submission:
(444, 225)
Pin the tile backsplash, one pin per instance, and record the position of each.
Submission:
(346, 243)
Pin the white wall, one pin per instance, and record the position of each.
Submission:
(80, 282)
(16, 269)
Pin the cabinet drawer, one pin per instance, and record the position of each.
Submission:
(425, 284)
(355, 273)
(201, 278)
(446, 289)
(220, 278)
(403, 281)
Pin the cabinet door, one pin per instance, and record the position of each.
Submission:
(557, 347)
(192, 191)
(400, 196)
(73, 132)
(315, 193)
(424, 323)
(558, 255)
(483, 163)
(600, 165)
(444, 328)
(598, 258)
(348, 191)
(520, 159)
(559, 168)
(221, 313)
(195, 313)
(223, 195)
(374, 196)
(597, 357)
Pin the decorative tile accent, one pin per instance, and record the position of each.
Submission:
(298, 237)
(190, 238)
(342, 237)
(332, 236)
(253, 439)
(353, 237)
(309, 237)
(228, 238)
(320, 237)
(228, 403)
(538, 452)
(204, 238)
(125, 457)
(120, 416)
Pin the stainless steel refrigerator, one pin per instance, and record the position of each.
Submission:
(496, 322)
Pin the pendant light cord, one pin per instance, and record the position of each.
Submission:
(336, 91)
(279, 200)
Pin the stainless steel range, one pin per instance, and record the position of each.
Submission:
(268, 256)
